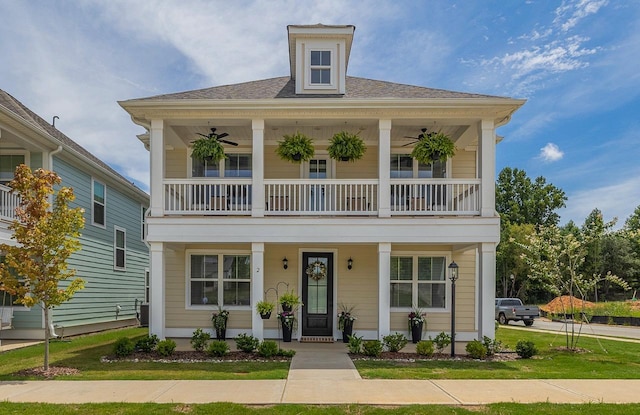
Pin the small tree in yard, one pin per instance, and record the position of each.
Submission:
(46, 237)
(555, 259)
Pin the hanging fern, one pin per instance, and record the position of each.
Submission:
(433, 147)
(208, 148)
(295, 148)
(346, 146)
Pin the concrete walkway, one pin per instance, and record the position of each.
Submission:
(324, 374)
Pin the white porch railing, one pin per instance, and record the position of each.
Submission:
(207, 197)
(435, 196)
(8, 203)
(321, 197)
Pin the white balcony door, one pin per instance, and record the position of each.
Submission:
(318, 169)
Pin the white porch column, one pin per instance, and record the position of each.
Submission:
(157, 289)
(384, 289)
(487, 287)
(488, 167)
(257, 288)
(257, 167)
(156, 148)
(384, 169)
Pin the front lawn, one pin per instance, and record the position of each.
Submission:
(621, 360)
(84, 353)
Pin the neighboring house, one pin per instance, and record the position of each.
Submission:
(113, 257)
(219, 233)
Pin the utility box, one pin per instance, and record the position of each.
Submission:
(144, 315)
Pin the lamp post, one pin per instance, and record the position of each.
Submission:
(453, 276)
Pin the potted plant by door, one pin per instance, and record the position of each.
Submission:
(433, 147)
(345, 322)
(265, 308)
(289, 301)
(346, 146)
(417, 320)
(219, 319)
(295, 148)
(288, 320)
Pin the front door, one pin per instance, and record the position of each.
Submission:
(317, 294)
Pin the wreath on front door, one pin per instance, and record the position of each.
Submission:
(317, 271)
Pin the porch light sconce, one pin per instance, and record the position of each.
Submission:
(453, 276)
(349, 263)
(285, 263)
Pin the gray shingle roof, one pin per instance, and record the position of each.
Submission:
(11, 104)
(284, 87)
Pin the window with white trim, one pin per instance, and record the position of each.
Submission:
(119, 248)
(8, 164)
(219, 279)
(320, 67)
(418, 280)
(143, 225)
(99, 197)
(235, 165)
(403, 166)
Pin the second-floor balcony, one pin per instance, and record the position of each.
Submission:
(325, 197)
(9, 201)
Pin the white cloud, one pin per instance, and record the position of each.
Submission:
(551, 153)
(569, 14)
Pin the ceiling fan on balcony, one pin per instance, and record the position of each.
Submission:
(219, 137)
(423, 134)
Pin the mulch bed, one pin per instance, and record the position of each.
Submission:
(193, 356)
(412, 357)
(53, 371)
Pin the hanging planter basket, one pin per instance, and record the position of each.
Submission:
(346, 146)
(433, 147)
(208, 148)
(295, 148)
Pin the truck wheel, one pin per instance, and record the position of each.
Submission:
(502, 319)
(528, 323)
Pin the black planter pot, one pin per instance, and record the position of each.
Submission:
(348, 330)
(416, 332)
(221, 334)
(286, 333)
(297, 156)
(286, 307)
(345, 158)
(266, 316)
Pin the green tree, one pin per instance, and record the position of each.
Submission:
(555, 259)
(520, 200)
(46, 237)
(633, 222)
(594, 225)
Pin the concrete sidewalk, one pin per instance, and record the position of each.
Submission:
(326, 391)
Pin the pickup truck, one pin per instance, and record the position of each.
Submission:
(508, 309)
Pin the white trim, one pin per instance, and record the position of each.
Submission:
(333, 66)
(213, 307)
(117, 229)
(93, 202)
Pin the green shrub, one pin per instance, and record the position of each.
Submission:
(247, 343)
(476, 349)
(123, 347)
(218, 348)
(268, 348)
(286, 353)
(526, 349)
(441, 341)
(147, 343)
(493, 346)
(372, 348)
(166, 347)
(395, 342)
(425, 348)
(199, 339)
(355, 344)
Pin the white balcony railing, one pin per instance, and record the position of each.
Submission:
(207, 197)
(9, 201)
(435, 196)
(319, 197)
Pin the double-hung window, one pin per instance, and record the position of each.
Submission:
(8, 164)
(418, 281)
(99, 196)
(219, 279)
(119, 248)
(320, 67)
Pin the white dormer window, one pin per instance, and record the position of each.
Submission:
(320, 67)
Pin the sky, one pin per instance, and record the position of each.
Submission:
(575, 61)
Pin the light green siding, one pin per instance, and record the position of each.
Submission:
(105, 288)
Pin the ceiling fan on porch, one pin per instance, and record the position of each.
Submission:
(423, 134)
(219, 137)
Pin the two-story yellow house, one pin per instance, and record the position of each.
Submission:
(385, 227)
